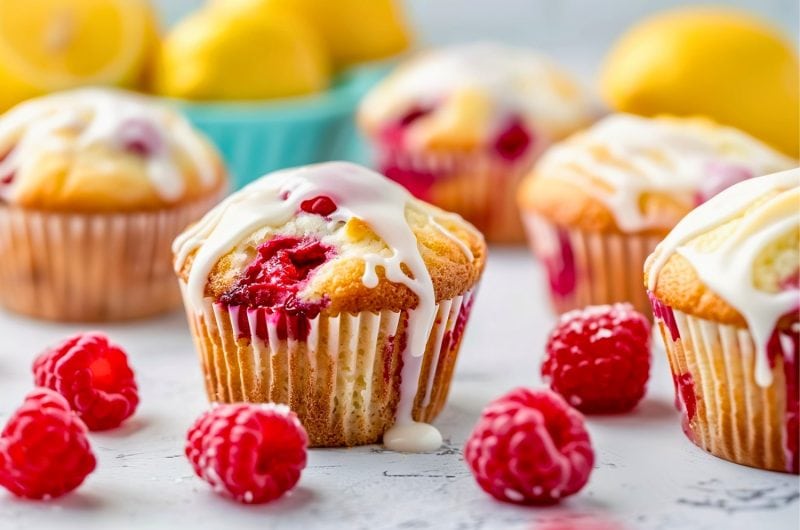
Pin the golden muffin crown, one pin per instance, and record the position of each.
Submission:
(95, 150)
(334, 235)
(468, 93)
(636, 175)
(736, 258)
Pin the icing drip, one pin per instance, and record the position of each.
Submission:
(622, 158)
(124, 121)
(274, 200)
(728, 269)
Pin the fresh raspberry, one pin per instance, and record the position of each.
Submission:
(598, 358)
(530, 447)
(93, 375)
(253, 453)
(44, 450)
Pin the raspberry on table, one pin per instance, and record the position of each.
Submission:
(530, 447)
(93, 375)
(598, 358)
(253, 453)
(44, 449)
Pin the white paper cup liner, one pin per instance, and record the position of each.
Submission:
(91, 267)
(342, 380)
(589, 268)
(724, 410)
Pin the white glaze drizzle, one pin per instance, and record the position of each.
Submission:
(516, 81)
(728, 269)
(99, 116)
(358, 193)
(633, 156)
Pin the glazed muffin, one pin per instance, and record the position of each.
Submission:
(459, 127)
(725, 289)
(331, 289)
(94, 186)
(598, 203)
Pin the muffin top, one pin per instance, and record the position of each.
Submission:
(736, 260)
(331, 238)
(472, 96)
(102, 150)
(638, 175)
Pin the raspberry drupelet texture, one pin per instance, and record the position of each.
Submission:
(94, 376)
(44, 449)
(530, 447)
(253, 453)
(598, 358)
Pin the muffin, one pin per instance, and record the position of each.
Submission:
(598, 203)
(725, 288)
(459, 127)
(94, 185)
(333, 290)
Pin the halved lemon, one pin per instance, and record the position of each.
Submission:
(50, 45)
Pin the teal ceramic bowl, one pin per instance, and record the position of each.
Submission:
(258, 137)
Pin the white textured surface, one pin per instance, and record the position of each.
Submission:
(647, 474)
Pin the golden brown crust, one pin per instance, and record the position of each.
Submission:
(105, 180)
(567, 203)
(680, 288)
(341, 284)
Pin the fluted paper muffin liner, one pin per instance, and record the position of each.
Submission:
(588, 268)
(479, 187)
(340, 374)
(91, 267)
(724, 410)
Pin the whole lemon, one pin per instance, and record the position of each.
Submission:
(51, 45)
(722, 63)
(357, 30)
(353, 30)
(241, 52)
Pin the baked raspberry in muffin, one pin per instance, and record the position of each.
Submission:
(725, 290)
(333, 290)
(459, 126)
(94, 185)
(597, 204)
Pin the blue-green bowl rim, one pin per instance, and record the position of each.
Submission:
(339, 99)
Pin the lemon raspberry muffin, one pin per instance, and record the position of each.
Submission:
(94, 185)
(725, 288)
(459, 126)
(331, 289)
(598, 203)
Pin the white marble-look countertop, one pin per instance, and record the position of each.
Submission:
(647, 474)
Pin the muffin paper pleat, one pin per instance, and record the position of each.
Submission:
(724, 410)
(91, 267)
(342, 380)
(589, 268)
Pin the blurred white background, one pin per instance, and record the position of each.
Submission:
(578, 32)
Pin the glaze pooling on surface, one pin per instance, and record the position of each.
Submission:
(769, 207)
(623, 158)
(110, 118)
(484, 83)
(275, 199)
